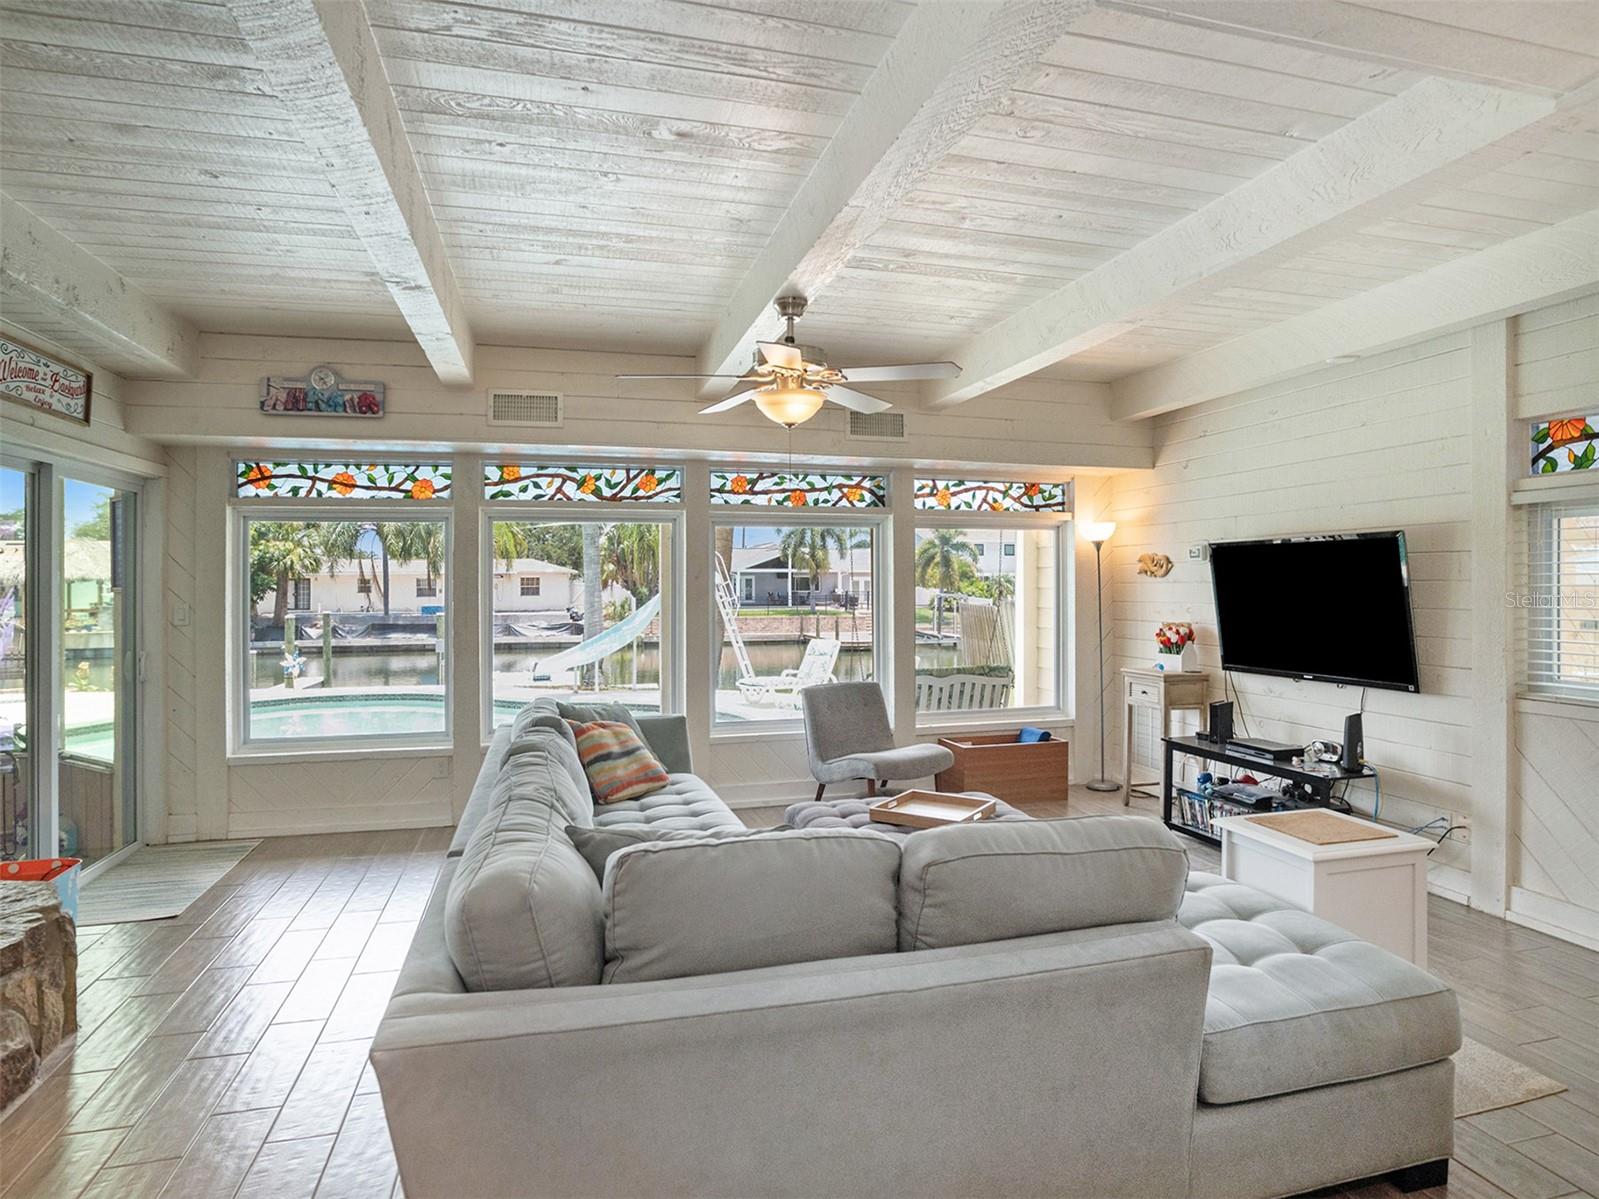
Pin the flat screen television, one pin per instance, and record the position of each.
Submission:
(1335, 609)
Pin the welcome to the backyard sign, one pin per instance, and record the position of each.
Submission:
(36, 379)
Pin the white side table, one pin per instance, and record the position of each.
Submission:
(1375, 889)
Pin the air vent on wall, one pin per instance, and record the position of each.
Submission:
(525, 408)
(877, 426)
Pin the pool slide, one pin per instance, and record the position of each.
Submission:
(601, 645)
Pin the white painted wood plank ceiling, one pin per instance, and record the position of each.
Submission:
(606, 174)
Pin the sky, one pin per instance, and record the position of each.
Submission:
(81, 497)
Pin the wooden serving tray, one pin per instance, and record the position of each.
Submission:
(931, 809)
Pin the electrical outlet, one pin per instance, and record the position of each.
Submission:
(441, 768)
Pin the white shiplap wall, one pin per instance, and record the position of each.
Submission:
(1554, 772)
(1378, 444)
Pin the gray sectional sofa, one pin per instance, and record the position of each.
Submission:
(1032, 1008)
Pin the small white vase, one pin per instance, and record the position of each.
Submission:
(1184, 660)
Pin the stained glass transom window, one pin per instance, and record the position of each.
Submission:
(798, 489)
(344, 480)
(1564, 444)
(595, 484)
(991, 495)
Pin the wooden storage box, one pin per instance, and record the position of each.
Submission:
(1006, 768)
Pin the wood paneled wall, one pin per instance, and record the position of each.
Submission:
(1378, 444)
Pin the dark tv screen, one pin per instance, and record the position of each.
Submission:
(1336, 609)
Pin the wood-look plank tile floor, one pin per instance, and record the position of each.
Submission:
(223, 1053)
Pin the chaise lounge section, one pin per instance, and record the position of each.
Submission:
(1092, 1020)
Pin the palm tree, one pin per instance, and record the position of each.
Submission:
(511, 541)
(285, 551)
(631, 559)
(943, 559)
(811, 548)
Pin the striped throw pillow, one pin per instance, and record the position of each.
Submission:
(618, 764)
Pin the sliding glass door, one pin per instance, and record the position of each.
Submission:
(69, 664)
(98, 699)
(18, 793)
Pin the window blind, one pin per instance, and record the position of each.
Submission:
(1557, 603)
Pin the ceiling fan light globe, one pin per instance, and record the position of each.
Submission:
(789, 406)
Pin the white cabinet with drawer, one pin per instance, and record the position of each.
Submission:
(1150, 697)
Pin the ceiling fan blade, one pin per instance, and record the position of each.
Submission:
(778, 354)
(896, 374)
(856, 401)
(679, 376)
(732, 401)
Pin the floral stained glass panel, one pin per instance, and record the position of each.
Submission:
(991, 495)
(798, 489)
(1564, 444)
(344, 480)
(593, 484)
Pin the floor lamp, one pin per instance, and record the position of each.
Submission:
(1097, 533)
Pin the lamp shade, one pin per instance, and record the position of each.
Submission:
(789, 405)
(1098, 531)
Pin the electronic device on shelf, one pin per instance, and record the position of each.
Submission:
(1324, 751)
(1220, 725)
(1332, 608)
(1354, 755)
(1272, 751)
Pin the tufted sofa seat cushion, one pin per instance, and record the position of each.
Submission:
(1296, 1002)
(685, 802)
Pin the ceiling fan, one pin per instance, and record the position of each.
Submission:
(790, 382)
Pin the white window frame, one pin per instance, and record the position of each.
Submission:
(774, 517)
(241, 511)
(1534, 627)
(673, 676)
(1062, 523)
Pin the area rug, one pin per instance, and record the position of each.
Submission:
(157, 881)
(1486, 1079)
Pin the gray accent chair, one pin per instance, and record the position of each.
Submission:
(847, 737)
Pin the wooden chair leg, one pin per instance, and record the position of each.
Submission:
(820, 787)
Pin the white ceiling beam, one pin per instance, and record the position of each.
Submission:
(1432, 135)
(950, 65)
(89, 308)
(1419, 40)
(322, 60)
(1527, 272)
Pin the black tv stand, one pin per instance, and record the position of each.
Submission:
(1315, 783)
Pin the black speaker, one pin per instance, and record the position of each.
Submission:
(1354, 743)
(1221, 721)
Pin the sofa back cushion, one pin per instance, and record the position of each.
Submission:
(523, 908)
(991, 882)
(562, 750)
(675, 909)
(599, 843)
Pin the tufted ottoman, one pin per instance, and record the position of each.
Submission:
(1296, 1002)
(853, 813)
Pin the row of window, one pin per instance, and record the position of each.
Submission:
(345, 628)
(639, 484)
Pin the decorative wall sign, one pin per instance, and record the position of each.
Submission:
(32, 377)
(1564, 443)
(597, 484)
(991, 495)
(344, 480)
(801, 489)
(321, 393)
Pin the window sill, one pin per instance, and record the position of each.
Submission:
(259, 757)
(1052, 718)
(764, 731)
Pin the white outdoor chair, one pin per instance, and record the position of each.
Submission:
(821, 655)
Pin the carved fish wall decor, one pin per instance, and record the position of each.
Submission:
(1156, 566)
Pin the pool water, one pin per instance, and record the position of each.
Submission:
(330, 717)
